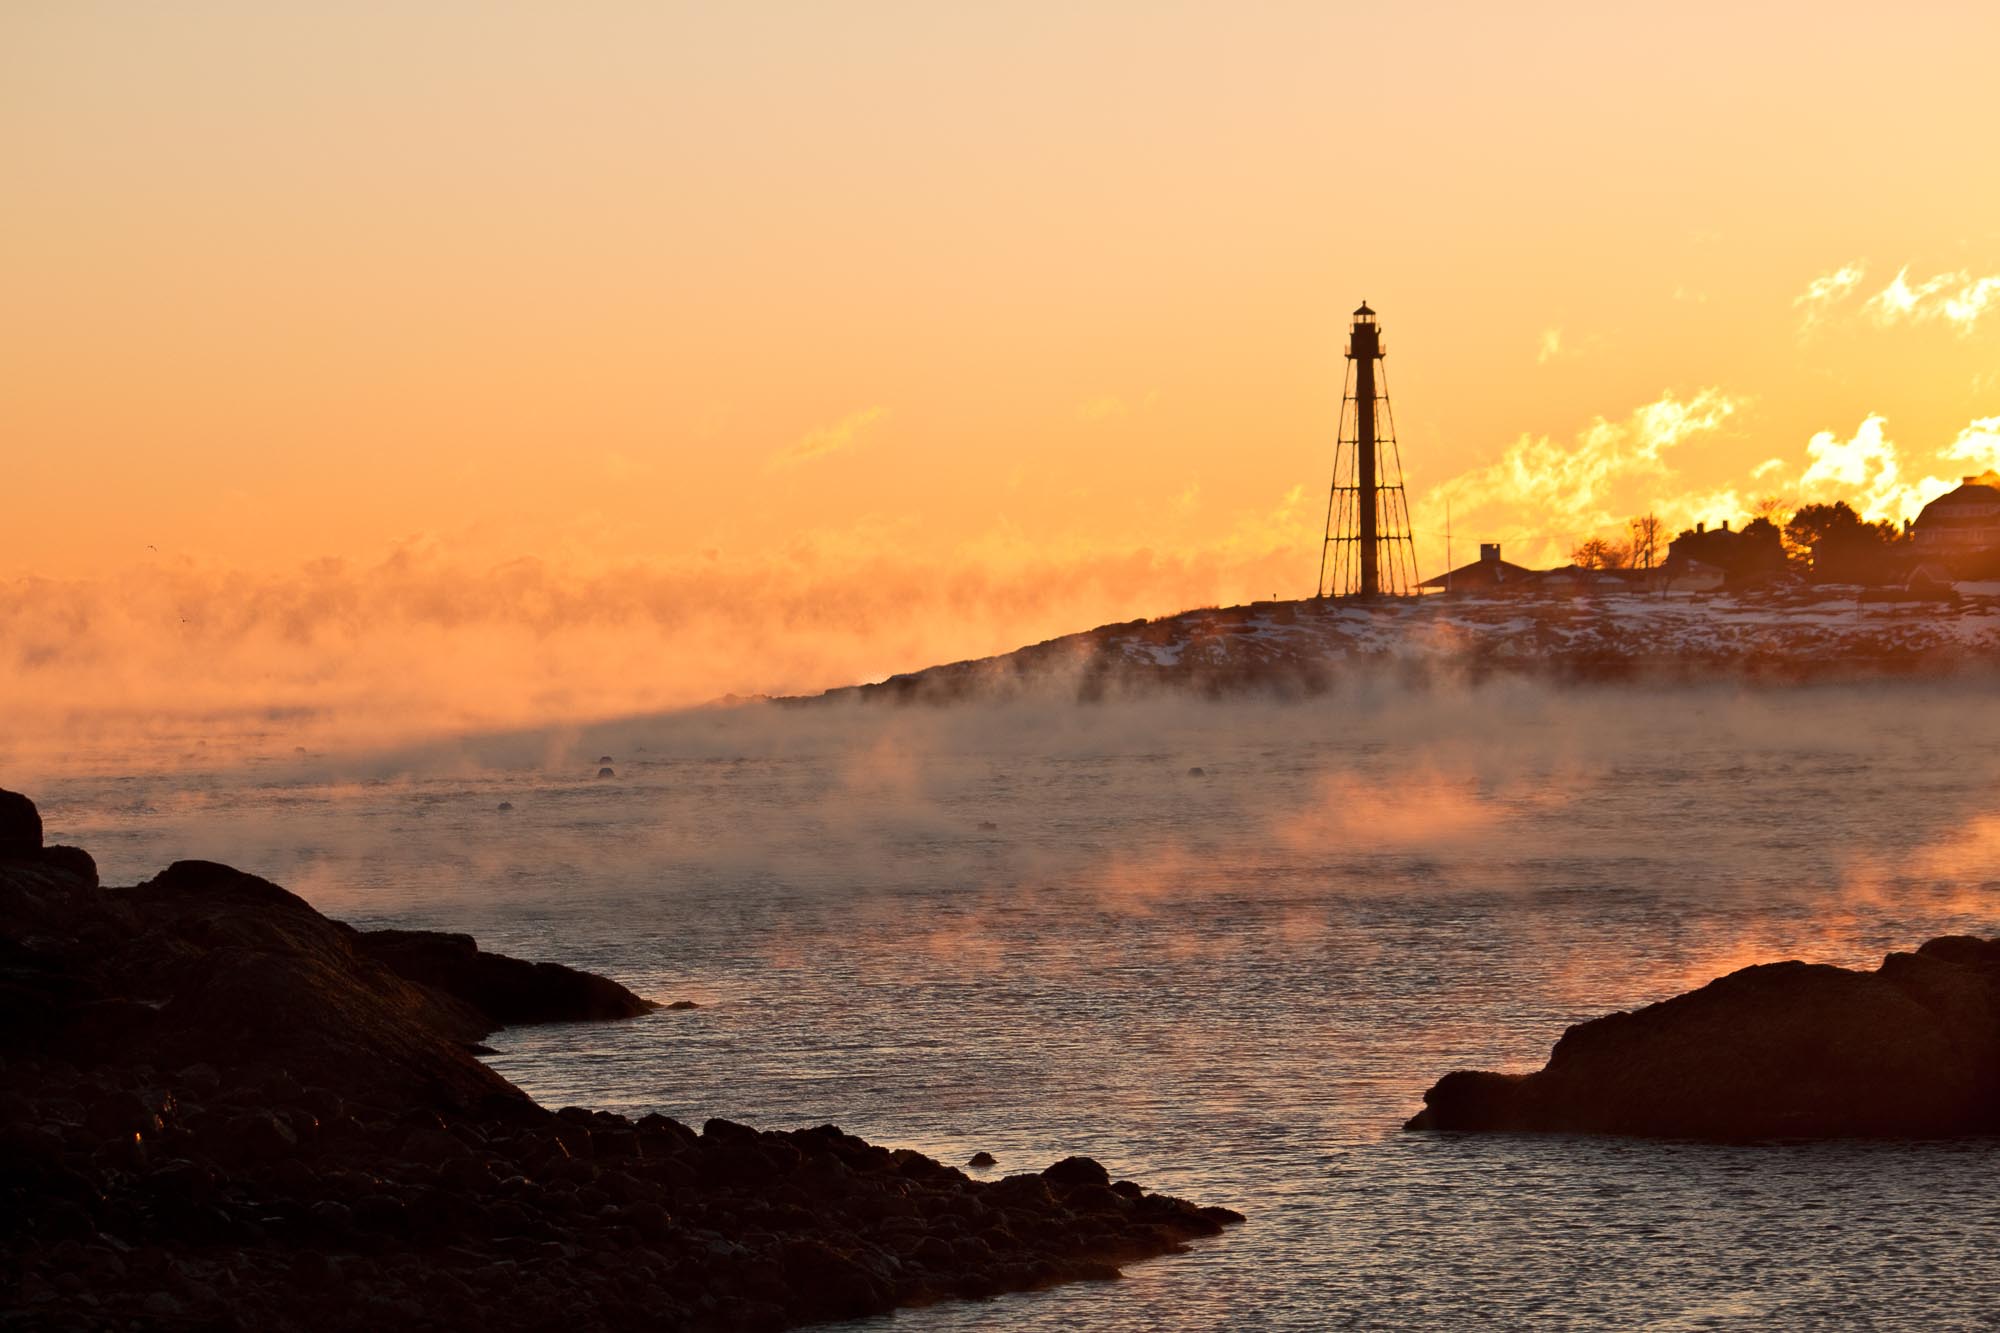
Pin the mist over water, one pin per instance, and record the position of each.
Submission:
(1028, 928)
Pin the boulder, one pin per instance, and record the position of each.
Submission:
(20, 825)
(1779, 1050)
(31, 863)
(205, 965)
(1077, 1171)
(74, 862)
(505, 991)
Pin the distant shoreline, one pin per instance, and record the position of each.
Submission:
(1311, 646)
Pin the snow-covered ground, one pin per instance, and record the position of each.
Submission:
(1797, 632)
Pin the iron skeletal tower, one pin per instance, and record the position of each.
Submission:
(1368, 551)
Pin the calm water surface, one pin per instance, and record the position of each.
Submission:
(1029, 929)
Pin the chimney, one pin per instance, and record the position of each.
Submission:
(1701, 527)
(1489, 553)
(1725, 525)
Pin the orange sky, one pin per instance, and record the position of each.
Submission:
(934, 328)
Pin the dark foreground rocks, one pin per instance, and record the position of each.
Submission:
(219, 1109)
(1783, 1050)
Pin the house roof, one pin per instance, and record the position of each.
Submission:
(1481, 571)
(1975, 504)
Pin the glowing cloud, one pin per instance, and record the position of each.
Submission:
(1965, 306)
(1901, 301)
(1829, 289)
(1956, 298)
(1568, 491)
(824, 440)
(1978, 443)
(1551, 347)
(1863, 470)
(1543, 498)
(1867, 471)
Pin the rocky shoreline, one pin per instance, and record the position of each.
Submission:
(1778, 1051)
(1305, 648)
(220, 1109)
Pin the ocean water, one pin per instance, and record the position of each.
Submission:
(1030, 928)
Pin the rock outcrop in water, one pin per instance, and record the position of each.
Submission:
(220, 1109)
(1782, 1050)
(505, 991)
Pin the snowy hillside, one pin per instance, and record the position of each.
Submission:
(1307, 645)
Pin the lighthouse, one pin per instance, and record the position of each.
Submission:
(1368, 550)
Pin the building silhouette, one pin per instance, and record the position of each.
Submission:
(1961, 529)
(1487, 572)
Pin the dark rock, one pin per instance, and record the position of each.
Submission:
(253, 976)
(660, 1127)
(257, 1137)
(122, 1114)
(74, 862)
(1029, 1191)
(605, 759)
(727, 1131)
(1077, 1171)
(313, 1271)
(433, 1146)
(606, 773)
(505, 991)
(381, 1213)
(20, 825)
(199, 1080)
(333, 1217)
(1782, 1050)
(831, 1284)
(981, 1160)
(1095, 1198)
(504, 806)
(683, 1004)
(277, 1124)
(1197, 772)
(67, 1219)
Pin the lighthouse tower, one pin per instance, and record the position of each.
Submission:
(1369, 550)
